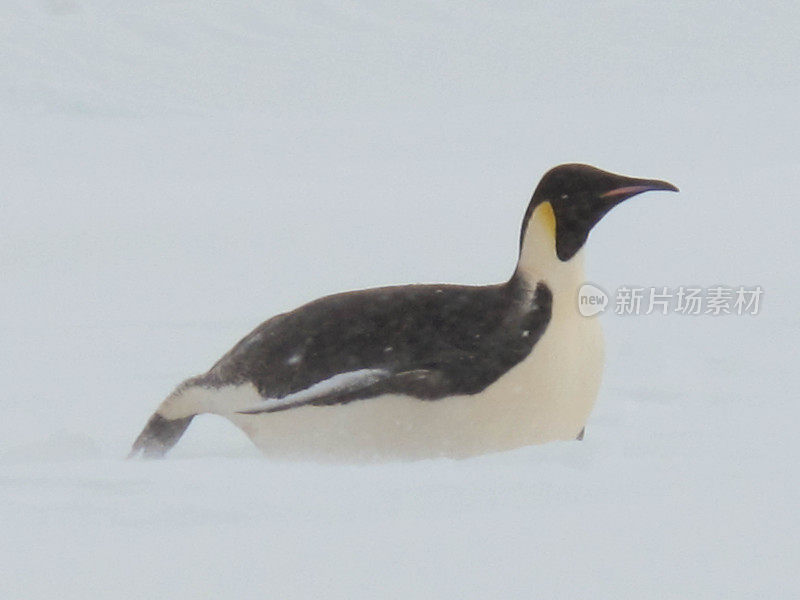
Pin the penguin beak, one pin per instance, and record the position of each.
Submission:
(632, 187)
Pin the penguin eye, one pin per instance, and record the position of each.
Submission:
(564, 196)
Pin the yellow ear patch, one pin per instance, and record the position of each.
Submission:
(544, 217)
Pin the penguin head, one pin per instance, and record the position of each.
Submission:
(579, 196)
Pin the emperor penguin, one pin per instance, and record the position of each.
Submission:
(424, 371)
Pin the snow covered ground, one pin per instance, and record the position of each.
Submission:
(172, 173)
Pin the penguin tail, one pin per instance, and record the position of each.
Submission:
(159, 436)
(169, 422)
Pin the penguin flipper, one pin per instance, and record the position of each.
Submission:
(339, 389)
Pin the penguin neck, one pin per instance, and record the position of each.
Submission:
(538, 260)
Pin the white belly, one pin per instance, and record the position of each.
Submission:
(546, 397)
